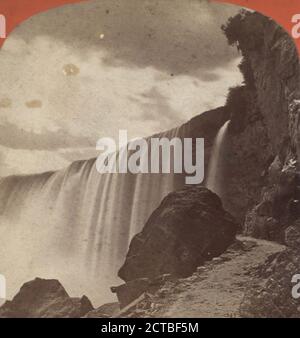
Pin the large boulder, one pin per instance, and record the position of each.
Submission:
(45, 298)
(188, 228)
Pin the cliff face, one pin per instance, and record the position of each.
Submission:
(263, 142)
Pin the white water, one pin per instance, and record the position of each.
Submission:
(216, 165)
(75, 225)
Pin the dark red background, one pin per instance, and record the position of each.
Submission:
(281, 11)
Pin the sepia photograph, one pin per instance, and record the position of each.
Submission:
(149, 161)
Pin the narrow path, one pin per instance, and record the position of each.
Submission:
(217, 289)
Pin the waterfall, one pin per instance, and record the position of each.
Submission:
(216, 165)
(75, 225)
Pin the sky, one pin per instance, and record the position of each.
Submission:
(80, 72)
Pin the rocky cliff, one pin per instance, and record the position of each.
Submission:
(263, 142)
(45, 298)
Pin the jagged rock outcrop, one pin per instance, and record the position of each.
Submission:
(263, 141)
(45, 298)
(104, 311)
(188, 228)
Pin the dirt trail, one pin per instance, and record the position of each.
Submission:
(217, 289)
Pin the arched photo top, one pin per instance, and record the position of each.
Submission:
(284, 12)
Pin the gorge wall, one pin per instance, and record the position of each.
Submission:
(263, 140)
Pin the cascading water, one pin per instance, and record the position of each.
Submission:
(216, 164)
(75, 225)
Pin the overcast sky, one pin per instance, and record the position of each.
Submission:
(80, 72)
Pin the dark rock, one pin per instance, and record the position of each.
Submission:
(270, 293)
(105, 311)
(188, 228)
(83, 305)
(45, 298)
(130, 291)
(159, 280)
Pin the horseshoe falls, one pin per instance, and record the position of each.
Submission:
(75, 225)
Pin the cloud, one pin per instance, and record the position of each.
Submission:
(24, 162)
(210, 77)
(80, 72)
(12, 136)
(77, 110)
(27, 161)
(156, 108)
(174, 36)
